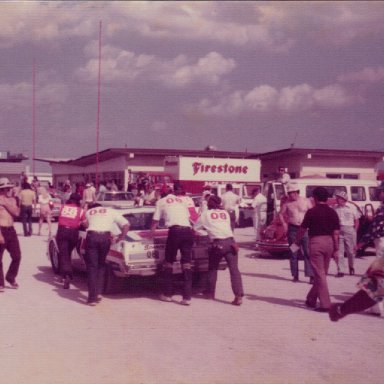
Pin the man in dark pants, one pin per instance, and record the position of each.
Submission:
(323, 227)
(216, 222)
(10, 242)
(70, 219)
(27, 199)
(174, 209)
(99, 221)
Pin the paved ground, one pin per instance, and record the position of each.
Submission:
(48, 335)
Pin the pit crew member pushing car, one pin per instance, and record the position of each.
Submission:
(70, 218)
(174, 210)
(99, 221)
(216, 221)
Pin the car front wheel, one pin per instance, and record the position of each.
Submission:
(54, 256)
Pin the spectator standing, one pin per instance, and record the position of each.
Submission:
(230, 202)
(283, 176)
(375, 234)
(44, 199)
(259, 205)
(323, 227)
(174, 210)
(99, 222)
(27, 205)
(349, 224)
(89, 195)
(9, 240)
(291, 216)
(216, 222)
(70, 218)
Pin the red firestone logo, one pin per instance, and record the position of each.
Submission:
(222, 168)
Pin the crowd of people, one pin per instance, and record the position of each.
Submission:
(320, 231)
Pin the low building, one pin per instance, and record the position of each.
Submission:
(334, 164)
(12, 166)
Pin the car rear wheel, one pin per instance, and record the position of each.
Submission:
(112, 283)
(54, 256)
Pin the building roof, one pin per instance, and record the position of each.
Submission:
(112, 153)
(323, 152)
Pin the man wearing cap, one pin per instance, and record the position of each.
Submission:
(10, 242)
(216, 222)
(70, 218)
(89, 195)
(291, 216)
(322, 224)
(174, 210)
(349, 224)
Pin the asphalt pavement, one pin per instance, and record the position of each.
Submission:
(49, 336)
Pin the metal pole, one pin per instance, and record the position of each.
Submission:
(33, 115)
(98, 111)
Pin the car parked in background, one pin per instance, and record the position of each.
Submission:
(139, 254)
(116, 199)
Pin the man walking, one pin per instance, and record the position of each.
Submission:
(323, 226)
(230, 202)
(27, 205)
(291, 216)
(174, 210)
(349, 224)
(99, 221)
(10, 242)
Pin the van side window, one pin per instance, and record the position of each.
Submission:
(358, 194)
(331, 189)
(373, 194)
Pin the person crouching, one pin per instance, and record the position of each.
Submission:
(217, 223)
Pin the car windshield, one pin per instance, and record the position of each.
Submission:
(116, 196)
(140, 221)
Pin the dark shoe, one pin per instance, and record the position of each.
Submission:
(340, 274)
(66, 282)
(185, 302)
(309, 304)
(335, 312)
(321, 309)
(13, 284)
(237, 301)
(311, 280)
(209, 296)
(92, 302)
(98, 299)
(351, 271)
(295, 279)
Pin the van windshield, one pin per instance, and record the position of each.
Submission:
(373, 194)
(331, 189)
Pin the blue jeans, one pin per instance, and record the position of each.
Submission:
(294, 256)
(96, 249)
(218, 250)
(26, 217)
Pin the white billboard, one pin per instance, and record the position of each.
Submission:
(213, 169)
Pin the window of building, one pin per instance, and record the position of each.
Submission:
(349, 176)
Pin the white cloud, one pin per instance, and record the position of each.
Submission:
(265, 99)
(14, 96)
(159, 126)
(366, 75)
(124, 66)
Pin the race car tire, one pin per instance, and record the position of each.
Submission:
(112, 284)
(54, 256)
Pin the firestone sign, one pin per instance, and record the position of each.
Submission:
(213, 169)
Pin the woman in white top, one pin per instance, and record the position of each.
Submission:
(44, 200)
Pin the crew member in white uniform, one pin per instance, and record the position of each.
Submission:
(173, 208)
(231, 203)
(259, 205)
(99, 221)
(216, 222)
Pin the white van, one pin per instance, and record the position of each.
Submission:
(362, 193)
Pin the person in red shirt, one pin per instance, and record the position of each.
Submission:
(70, 218)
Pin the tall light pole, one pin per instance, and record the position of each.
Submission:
(33, 115)
(98, 111)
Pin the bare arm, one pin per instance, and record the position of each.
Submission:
(11, 206)
(335, 238)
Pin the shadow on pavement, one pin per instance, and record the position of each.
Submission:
(299, 304)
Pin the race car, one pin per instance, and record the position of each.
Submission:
(139, 254)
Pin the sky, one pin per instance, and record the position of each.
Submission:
(240, 76)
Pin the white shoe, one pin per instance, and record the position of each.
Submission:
(165, 298)
(185, 302)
